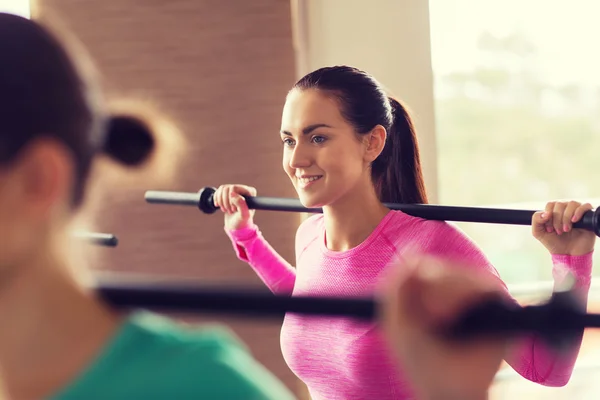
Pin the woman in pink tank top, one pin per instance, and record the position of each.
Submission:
(349, 148)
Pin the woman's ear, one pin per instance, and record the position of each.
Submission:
(45, 171)
(375, 143)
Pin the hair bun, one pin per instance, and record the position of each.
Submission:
(129, 140)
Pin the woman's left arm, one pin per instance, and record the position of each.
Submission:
(571, 251)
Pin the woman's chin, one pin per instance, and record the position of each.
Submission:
(311, 201)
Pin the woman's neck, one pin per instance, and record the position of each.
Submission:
(353, 218)
(53, 328)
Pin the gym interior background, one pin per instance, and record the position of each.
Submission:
(505, 95)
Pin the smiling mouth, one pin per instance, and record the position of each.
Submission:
(307, 181)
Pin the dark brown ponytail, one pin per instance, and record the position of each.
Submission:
(397, 172)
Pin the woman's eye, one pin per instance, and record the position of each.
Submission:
(318, 139)
(288, 142)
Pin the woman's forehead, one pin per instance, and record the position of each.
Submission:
(309, 107)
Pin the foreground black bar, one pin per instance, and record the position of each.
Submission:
(99, 239)
(557, 321)
(193, 299)
(204, 201)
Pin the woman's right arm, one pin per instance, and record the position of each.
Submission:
(248, 242)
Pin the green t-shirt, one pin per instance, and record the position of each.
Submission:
(152, 357)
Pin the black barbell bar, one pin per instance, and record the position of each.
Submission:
(203, 199)
(557, 321)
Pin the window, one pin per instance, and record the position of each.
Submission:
(517, 94)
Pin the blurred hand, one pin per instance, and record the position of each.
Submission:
(419, 297)
(229, 199)
(553, 227)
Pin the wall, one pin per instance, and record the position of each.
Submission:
(222, 70)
